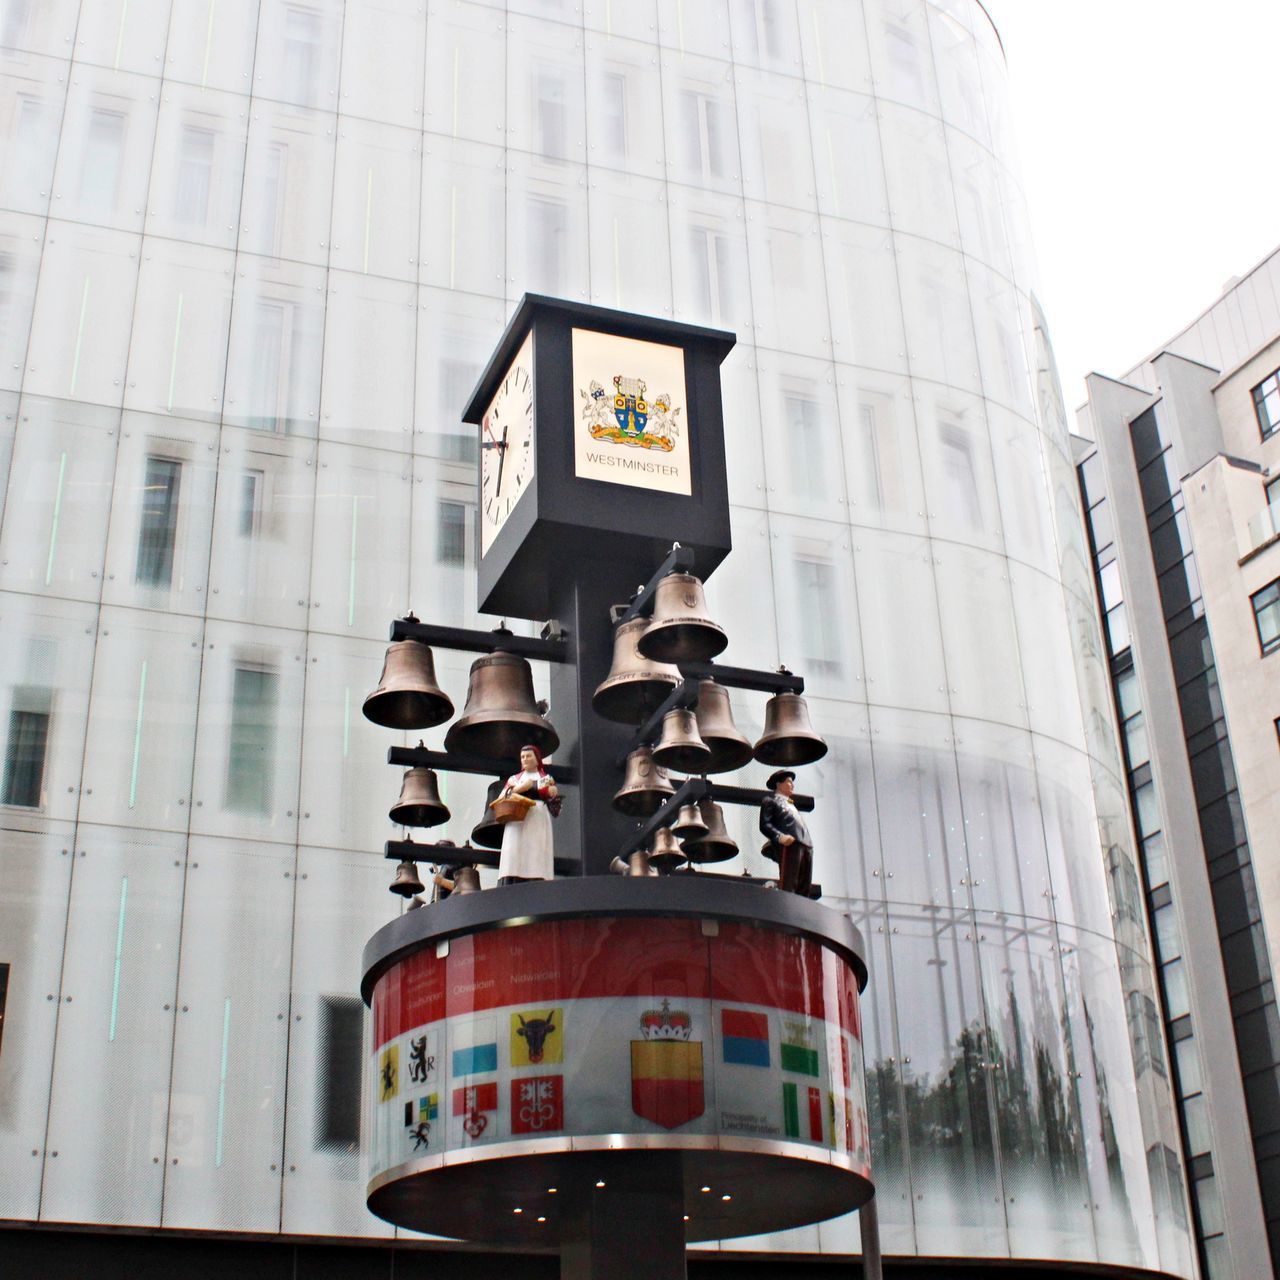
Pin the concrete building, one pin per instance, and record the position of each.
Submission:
(1180, 468)
(253, 254)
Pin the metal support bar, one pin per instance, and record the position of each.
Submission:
(753, 796)
(551, 649)
(458, 762)
(459, 854)
(683, 696)
(694, 869)
(679, 560)
(743, 677)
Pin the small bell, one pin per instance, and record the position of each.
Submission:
(645, 786)
(666, 854)
(680, 747)
(487, 833)
(465, 880)
(730, 748)
(635, 686)
(407, 696)
(689, 824)
(637, 864)
(406, 883)
(500, 715)
(419, 804)
(680, 630)
(717, 845)
(788, 738)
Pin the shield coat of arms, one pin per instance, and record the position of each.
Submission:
(666, 1069)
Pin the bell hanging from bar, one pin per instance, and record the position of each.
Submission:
(637, 864)
(680, 747)
(717, 845)
(419, 804)
(788, 737)
(501, 715)
(730, 748)
(487, 833)
(666, 854)
(645, 786)
(466, 880)
(406, 883)
(635, 686)
(689, 824)
(407, 696)
(680, 630)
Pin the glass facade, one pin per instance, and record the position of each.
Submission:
(252, 258)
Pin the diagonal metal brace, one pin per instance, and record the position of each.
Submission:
(457, 762)
(683, 696)
(679, 560)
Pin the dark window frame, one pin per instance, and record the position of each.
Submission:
(1267, 390)
(1272, 591)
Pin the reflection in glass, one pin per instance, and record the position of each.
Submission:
(159, 525)
(25, 747)
(251, 749)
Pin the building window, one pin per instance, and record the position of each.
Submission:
(339, 1053)
(711, 273)
(1272, 493)
(249, 509)
(195, 176)
(613, 114)
(549, 115)
(548, 232)
(809, 447)
(1266, 403)
(250, 763)
(1266, 615)
(961, 474)
(100, 172)
(159, 528)
(26, 747)
(820, 615)
(302, 41)
(451, 532)
(706, 134)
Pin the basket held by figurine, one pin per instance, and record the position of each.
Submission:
(512, 808)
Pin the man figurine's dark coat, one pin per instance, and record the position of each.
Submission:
(789, 843)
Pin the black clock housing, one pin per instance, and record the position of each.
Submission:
(563, 517)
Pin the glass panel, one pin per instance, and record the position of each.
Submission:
(709, 259)
(60, 490)
(959, 71)
(83, 313)
(21, 237)
(901, 59)
(42, 28)
(226, 1117)
(198, 166)
(881, 452)
(740, 393)
(958, 476)
(298, 48)
(32, 93)
(765, 35)
(214, 46)
(741, 597)
(142, 720)
(846, 125)
(1022, 490)
(828, 25)
(860, 265)
(773, 130)
(118, 1004)
(376, 180)
(1044, 649)
(935, 306)
(701, 28)
(624, 102)
(786, 272)
(127, 35)
(698, 116)
(178, 352)
(916, 172)
(628, 225)
(463, 218)
(359, 564)
(545, 90)
(546, 228)
(382, 61)
(465, 89)
(35, 876)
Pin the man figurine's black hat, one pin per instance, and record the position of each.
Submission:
(779, 775)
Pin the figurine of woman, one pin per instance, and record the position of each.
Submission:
(526, 846)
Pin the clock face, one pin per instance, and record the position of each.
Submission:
(506, 445)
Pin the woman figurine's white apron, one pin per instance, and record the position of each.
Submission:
(526, 846)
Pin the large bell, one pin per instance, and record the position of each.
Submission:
(666, 854)
(689, 824)
(406, 883)
(501, 715)
(680, 747)
(487, 833)
(645, 786)
(637, 864)
(717, 845)
(788, 737)
(419, 804)
(466, 880)
(635, 686)
(730, 748)
(680, 630)
(407, 696)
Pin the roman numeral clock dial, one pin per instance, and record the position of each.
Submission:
(506, 446)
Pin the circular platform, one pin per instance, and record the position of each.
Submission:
(541, 1050)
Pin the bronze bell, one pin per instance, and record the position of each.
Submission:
(466, 880)
(730, 748)
(419, 804)
(788, 738)
(407, 696)
(635, 686)
(406, 883)
(689, 824)
(487, 833)
(666, 854)
(501, 715)
(680, 630)
(680, 747)
(637, 864)
(645, 786)
(717, 845)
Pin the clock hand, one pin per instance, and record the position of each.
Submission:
(502, 461)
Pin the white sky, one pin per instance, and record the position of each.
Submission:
(1149, 139)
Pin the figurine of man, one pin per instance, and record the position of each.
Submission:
(789, 844)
